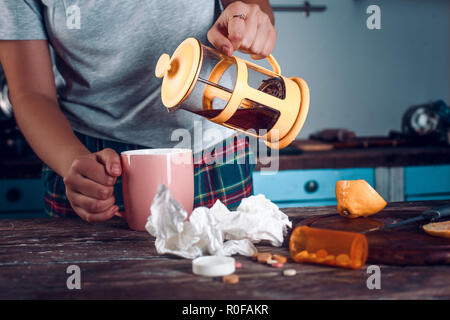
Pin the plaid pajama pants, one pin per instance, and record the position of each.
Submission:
(223, 172)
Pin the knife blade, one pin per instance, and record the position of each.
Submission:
(433, 214)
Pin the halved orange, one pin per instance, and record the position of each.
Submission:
(438, 229)
(357, 198)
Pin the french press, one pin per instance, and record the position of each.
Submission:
(234, 93)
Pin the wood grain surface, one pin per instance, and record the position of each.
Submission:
(117, 263)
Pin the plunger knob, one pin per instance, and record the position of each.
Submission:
(163, 65)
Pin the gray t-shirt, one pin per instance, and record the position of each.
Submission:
(105, 52)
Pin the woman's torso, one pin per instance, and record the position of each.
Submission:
(105, 54)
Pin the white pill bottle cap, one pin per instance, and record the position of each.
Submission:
(213, 266)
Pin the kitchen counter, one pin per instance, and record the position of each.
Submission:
(362, 157)
(117, 263)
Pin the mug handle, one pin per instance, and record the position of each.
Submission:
(273, 63)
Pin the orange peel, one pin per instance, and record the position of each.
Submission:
(357, 198)
(438, 229)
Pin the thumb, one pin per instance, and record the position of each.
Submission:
(111, 160)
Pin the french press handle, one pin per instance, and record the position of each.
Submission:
(273, 63)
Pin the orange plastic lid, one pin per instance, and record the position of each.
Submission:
(180, 72)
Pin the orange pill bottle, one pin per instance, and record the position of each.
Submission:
(328, 247)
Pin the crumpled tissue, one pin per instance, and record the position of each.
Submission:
(256, 219)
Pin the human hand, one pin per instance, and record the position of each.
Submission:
(255, 34)
(90, 185)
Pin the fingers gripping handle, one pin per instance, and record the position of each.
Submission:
(120, 214)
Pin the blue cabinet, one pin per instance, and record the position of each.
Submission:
(427, 183)
(21, 198)
(300, 188)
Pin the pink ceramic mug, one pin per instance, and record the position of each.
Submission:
(143, 171)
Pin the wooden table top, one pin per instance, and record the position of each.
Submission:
(117, 263)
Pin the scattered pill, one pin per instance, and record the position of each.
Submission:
(312, 256)
(330, 259)
(238, 265)
(319, 260)
(342, 259)
(280, 258)
(302, 255)
(271, 261)
(321, 256)
(289, 272)
(277, 265)
(264, 257)
(230, 279)
(322, 253)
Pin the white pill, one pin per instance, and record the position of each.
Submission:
(289, 272)
(271, 261)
